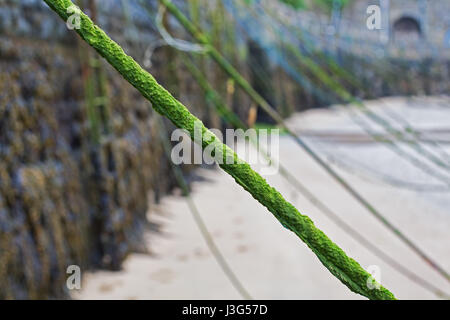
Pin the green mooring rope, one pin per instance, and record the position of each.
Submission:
(259, 100)
(230, 117)
(347, 270)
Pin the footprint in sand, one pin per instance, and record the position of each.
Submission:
(163, 275)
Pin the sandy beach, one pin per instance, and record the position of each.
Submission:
(270, 261)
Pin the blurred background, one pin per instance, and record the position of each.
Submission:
(86, 180)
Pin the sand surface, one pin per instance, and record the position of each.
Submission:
(270, 261)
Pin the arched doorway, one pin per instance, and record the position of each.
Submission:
(407, 30)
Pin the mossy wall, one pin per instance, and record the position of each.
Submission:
(63, 199)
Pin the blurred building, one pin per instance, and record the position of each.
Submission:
(406, 22)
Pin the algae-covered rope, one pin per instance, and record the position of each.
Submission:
(230, 117)
(347, 270)
(259, 100)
